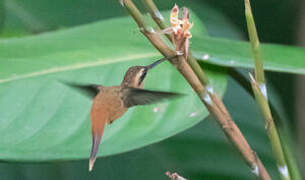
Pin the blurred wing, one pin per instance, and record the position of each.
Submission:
(135, 96)
(90, 90)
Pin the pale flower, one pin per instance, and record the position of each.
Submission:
(181, 30)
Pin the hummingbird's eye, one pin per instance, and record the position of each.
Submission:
(142, 76)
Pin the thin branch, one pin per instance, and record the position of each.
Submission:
(157, 16)
(258, 62)
(259, 88)
(154, 38)
(206, 94)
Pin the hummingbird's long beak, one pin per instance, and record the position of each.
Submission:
(157, 62)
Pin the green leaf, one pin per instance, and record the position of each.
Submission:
(42, 119)
(228, 53)
(202, 152)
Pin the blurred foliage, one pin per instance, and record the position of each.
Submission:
(199, 153)
(275, 19)
(34, 16)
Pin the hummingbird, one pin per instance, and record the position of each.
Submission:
(110, 103)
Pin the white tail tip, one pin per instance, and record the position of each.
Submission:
(91, 163)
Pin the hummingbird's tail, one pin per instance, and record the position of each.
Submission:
(96, 139)
(99, 117)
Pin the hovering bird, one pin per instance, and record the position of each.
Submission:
(110, 103)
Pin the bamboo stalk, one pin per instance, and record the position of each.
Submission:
(283, 132)
(259, 88)
(205, 93)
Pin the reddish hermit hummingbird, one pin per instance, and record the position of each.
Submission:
(110, 103)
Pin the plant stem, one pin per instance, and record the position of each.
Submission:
(205, 93)
(259, 67)
(157, 16)
(284, 136)
(289, 154)
(259, 88)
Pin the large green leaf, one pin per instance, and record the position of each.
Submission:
(231, 53)
(42, 119)
(202, 152)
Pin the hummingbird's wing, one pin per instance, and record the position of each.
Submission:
(136, 96)
(90, 90)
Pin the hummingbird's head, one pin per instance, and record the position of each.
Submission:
(135, 75)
